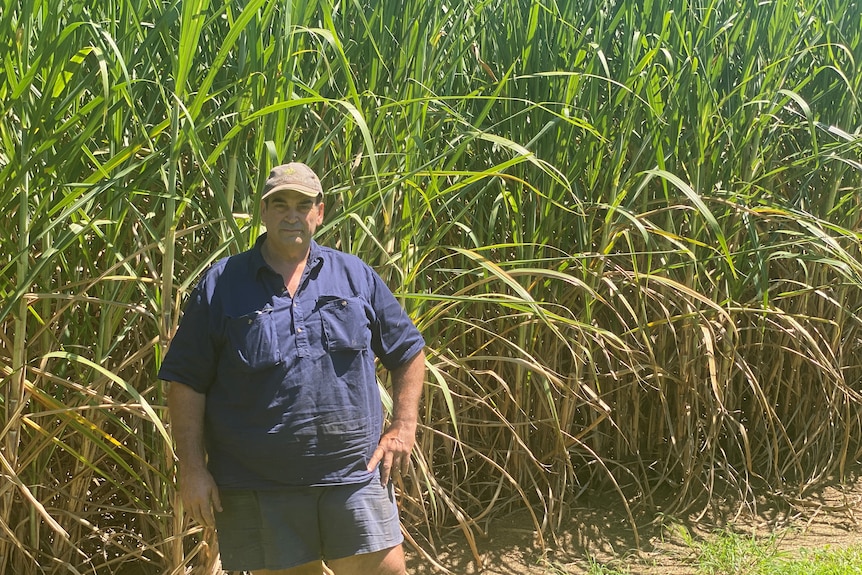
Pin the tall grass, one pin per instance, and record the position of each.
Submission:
(629, 232)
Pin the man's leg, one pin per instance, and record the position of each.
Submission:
(386, 562)
(313, 568)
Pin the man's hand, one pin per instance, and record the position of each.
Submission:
(199, 494)
(396, 443)
(393, 450)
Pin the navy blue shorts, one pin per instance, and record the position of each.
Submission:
(284, 528)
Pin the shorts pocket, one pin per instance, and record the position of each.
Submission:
(345, 325)
(253, 340)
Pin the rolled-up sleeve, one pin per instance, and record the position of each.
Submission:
(191, 358)
(394, 337)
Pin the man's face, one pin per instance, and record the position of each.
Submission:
(291, 218)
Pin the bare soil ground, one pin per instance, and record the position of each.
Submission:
(827, 517)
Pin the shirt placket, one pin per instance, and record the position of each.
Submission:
(301, 334)
(299, 326)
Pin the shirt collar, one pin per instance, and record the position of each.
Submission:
(257, 262)
(315, 255)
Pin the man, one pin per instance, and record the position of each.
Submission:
(274, 402)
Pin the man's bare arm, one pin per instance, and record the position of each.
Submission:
(198, 489)
(393, 450)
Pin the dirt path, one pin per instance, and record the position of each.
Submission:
(829, 517)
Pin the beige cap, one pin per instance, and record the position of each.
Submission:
(294, 176)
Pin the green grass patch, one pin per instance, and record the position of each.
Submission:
(820, 562)
(600, 569)
(733, 554)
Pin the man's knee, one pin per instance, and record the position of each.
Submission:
(386, 562)
(313, 568)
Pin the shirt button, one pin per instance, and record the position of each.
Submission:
(344, 303)
(299, 330)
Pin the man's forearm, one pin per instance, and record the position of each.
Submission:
(187, 407)
(407, 382)
(198, 490)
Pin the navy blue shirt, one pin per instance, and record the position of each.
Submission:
(290, 382)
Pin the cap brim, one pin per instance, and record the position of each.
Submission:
(310, 192)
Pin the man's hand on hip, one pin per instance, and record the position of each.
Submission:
(393, 450)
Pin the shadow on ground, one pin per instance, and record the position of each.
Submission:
(599, 531)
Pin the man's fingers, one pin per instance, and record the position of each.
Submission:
(207, 519)
(386, 468)
(375, 458)
(391, 454)
(201, 509)
(216, 500)
(200, 497)
(195, 512)
(212, 502)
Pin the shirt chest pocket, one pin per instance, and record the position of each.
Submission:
(345, 324)
(252, 340)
